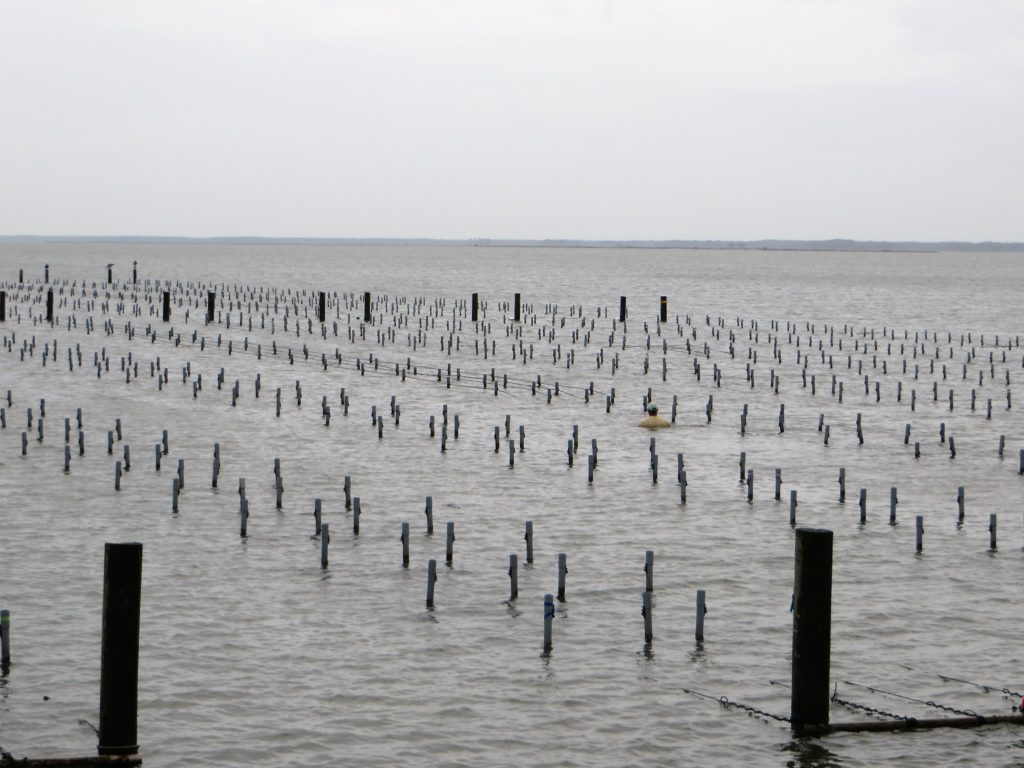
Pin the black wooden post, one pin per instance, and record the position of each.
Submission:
(119, 665)
(322, 310)
(167, 306)
(135, 272)
(366, 307)
(3, 306)
(664, 309)
(622, 309)
(46, 273)
(517, 317)
(21, 276)
(476, 307)
(49, 306)
(110, 275)
(211, 304)
(812, 627)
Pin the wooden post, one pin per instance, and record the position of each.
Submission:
(167, 307)
(366, 307)
(812, 627)
(622, 309)
(3, 306)
(474, 312)
(211, 304)
(119, 666)
(322, 308)
(49, 305)
(518, 312)
(664, 309)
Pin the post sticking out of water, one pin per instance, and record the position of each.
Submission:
(549, 616)
(702, 610)
(960, 504)
(3, 306)
(792, 508)
(513, 574)
(366, 307)
(664, 309)
(449, 540)
(892, 505)
(429, 512)
(325, 540)
(648, 613)
(49, 305)
(322, 308)
(649, 569)
(517, 316)
(992, 531)
(431, 579)
(405, 545)
(167, 307)
(842, 485)
(562, 570)
(5, 640)
(119, 665)
(211, 304)
(812, 627)
(919, 526)
(474, 312)
(622, 309)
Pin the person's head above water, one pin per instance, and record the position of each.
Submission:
(652, 409)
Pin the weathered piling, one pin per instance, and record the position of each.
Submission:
(119, 663)
(563, 569)
(211, 304)
(325, 540)
(5, 640)
(449, 544)
(812, 628)
(702, 611)
(513, 572)
(549, 616)
(648, 613)
(405, 545)
(167, 307)
(431, 580)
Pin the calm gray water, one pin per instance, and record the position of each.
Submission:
(252, 654)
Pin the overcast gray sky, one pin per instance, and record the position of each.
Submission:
(641, 119)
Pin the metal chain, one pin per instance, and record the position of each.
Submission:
(726, 702)
(929, 703)
(864, 708)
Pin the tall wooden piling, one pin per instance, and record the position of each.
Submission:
(812, 627)
(167, 307)
(663, 316)
(3, 306)
(366, 307)
(622, 309)
(517, 316)
(49, 306)
(211, 305)
(475, 308)
(119, 665)
(322, 308)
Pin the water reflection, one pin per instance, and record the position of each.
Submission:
(810, 753)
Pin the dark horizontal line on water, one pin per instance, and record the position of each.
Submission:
(833, 245)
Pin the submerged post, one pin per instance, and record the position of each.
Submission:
(119, 666)
(812, 627)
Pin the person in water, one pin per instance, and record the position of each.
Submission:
(653, 420)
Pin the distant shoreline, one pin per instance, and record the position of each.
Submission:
(835, 245)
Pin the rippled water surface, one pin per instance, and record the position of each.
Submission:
(252, 654)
